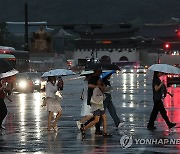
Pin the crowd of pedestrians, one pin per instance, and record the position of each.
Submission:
(96, 101)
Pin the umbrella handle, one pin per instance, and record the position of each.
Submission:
(170, 94)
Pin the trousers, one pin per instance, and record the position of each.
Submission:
(158, 107)
(3, 110)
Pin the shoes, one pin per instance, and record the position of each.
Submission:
(171, 125)
(78, 123)
(120, 124)
(151, 127)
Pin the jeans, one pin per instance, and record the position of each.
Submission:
(108, 104)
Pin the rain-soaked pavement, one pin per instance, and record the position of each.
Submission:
(26, 123)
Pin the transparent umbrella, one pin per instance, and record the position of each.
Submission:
(165, 68)
(6, 69)
(58, 72)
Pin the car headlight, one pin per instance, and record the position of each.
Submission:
(131, 70)
(22, 84)
(37, 82)
(123, 70)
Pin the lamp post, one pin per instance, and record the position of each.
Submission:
(26, 26)
(92, 33)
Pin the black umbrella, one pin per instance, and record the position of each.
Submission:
(6, 69)
(102, 66)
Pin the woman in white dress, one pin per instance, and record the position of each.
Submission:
(86, 109)
(53, 102)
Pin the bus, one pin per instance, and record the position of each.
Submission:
(21, 60)
(10, 58)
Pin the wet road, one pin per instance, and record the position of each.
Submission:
(26, 123)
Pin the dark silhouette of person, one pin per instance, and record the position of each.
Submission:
(159, 91)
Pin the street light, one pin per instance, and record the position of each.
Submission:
(26, 26)
(93, 27)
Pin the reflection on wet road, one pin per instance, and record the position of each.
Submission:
(26, 123)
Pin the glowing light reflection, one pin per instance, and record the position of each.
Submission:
(37, 101)
(22, 98)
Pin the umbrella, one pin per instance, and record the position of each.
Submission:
(58, 72)
(102, 66)
(6, 69)
(165, 68)
(105, 74)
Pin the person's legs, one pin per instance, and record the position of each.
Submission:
(112, 110)
(49, 119)
(153, 115)
(104, 123)
(96, 120)
(164, 115)
(98, 125)
(3, 111)
(87, 122)
(86, 118)
(57, 118)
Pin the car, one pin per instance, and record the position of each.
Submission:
(27, 82)
(141, 69)
(127, 69)
(173, 79)
(35, 77)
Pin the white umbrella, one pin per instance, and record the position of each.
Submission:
(58, 72)
(9, 73)
(165, 68)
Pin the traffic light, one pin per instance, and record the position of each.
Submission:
(167, 46)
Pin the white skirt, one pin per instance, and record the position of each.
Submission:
(53, 105)
(86, 109)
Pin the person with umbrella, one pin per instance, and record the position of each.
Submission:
(158, 93)
(3, 108)
(6, 70)
(53, 102)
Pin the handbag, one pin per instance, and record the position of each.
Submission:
(100, 101)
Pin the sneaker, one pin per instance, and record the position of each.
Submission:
(120, 124)
(78, 123)
(171, 125)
